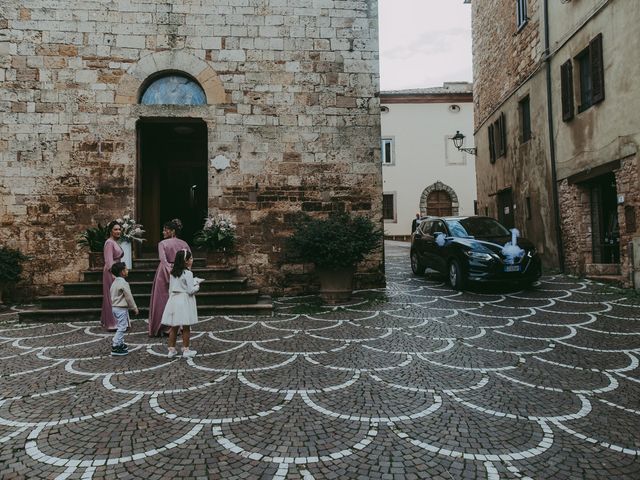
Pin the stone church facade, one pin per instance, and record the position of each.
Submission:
(287, 121)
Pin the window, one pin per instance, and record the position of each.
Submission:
(173, 89)
(497, 138)
(521, 13)
(590, 81)
(525, 120)
(584, 65)
(387, 152)
(389, 207)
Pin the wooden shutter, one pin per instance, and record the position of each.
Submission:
(503, 135)
(597, 69)
(492, 145)
(566, 81)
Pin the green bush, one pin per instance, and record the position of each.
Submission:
(94, 238)
(335, 242)
(10, 264)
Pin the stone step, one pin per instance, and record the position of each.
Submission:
(602, 269)
(142, 274)
(144, 287)
(615, 280)
(262, 307)
(152, 263)
(95, 301)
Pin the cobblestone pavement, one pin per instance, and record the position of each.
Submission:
(415, 381)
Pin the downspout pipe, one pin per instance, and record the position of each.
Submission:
(552, 145)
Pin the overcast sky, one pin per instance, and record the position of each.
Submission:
(424, 43)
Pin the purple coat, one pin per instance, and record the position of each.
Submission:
(167, 250)
(112, 254)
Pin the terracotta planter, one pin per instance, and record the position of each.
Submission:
(336, 285)
(96, 260)
(221, 258)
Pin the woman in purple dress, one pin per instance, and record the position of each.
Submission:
(167, 249)
(112, 254)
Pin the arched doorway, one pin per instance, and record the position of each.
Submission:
(439, 204)
(172, 160)
(439, 200)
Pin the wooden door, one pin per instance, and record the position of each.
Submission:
(439, 204)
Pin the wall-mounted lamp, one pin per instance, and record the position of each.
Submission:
(458, 141)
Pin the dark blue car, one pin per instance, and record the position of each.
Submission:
(477, 249)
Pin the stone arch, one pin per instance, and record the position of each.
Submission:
(135, 79)
(455, 205)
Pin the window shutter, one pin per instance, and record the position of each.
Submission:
(597, 69)
(566, 81)
(503, 135)
(492, 145)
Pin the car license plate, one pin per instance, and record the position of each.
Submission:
(512, 268)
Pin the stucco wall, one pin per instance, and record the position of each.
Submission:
(424, 156)
(291, 102)
(609, 130)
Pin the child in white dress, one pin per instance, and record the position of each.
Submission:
(181, 309)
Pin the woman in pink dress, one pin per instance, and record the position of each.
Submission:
(112, 254)
(167, 249)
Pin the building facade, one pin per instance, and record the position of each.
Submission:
(556, 128)
(162, 109)
(422, 170)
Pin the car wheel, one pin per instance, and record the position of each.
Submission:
(416, 265)
(455, 275)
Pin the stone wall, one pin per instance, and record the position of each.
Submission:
(291, 89)
(575, 203)
(503, 56)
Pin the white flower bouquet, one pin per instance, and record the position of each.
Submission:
(131, 231)
(218, 233)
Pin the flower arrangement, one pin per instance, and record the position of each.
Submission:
(218, 233)
(131, 231)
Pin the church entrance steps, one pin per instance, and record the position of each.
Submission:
(222, 292)
(142, 287)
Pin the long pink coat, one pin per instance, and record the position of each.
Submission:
(112, 254)
(167, 250)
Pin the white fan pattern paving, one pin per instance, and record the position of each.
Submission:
(412, 381)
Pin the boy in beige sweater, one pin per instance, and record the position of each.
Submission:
(121, 302)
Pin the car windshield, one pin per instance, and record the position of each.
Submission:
(476, 227)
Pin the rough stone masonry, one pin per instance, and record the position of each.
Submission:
(291, 89)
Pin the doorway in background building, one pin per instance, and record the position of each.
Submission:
(604, 219)
(172, 176)
(505, 208)
(439, 204)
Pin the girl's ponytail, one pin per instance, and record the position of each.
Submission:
(180, 263)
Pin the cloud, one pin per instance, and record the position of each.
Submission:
(424, 43)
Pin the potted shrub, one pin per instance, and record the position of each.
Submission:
(217, 238)
(93, 238)
(335, 245)
(10, 267)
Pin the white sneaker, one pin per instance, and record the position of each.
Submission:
(189, 353)
(172, 353)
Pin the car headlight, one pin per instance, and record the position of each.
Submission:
(478, 255)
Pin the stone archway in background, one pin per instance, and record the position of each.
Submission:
(439, 186)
